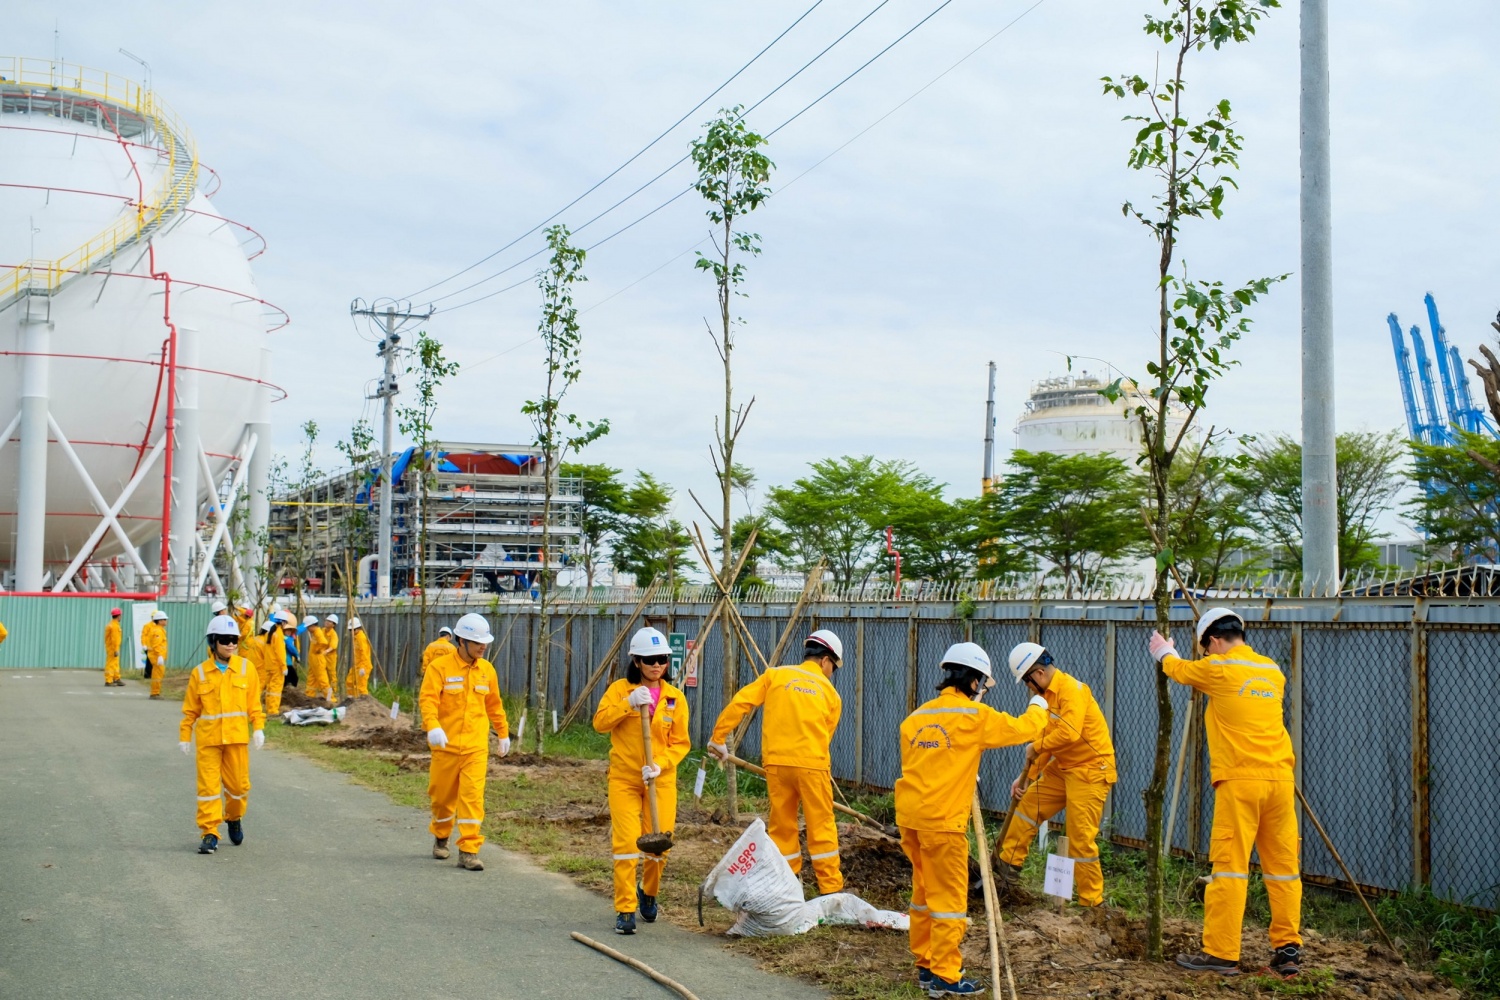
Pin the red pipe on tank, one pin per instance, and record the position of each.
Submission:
(170, 429)
(891, 549)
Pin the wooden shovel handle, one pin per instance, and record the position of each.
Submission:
(650, 782)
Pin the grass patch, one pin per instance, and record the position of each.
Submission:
(1458, 943)
(1309, 983)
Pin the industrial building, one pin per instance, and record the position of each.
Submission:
(478, 527)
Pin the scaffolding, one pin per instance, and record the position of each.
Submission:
(476, 528)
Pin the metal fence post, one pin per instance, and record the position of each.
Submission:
(859, 701)
(1421, 848)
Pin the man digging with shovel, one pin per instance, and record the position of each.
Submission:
(647, 722)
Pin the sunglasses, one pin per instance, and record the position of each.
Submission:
(654, 661)
(227, 640)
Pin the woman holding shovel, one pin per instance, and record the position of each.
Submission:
(647, 722)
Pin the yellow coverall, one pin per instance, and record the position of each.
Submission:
(270, 652)
(357, 682)
(154, 638)
(436, 647)
(1073, 768)
(628, 807)
(1251, 766)
(801, 712)
(315, 681)
(3, 633)
(463, 699)
(330, 661)
(224, 707)
(112, 641)
(246, 622)
(941, 744)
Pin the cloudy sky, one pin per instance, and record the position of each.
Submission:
(382, 147)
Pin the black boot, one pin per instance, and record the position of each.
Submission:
(624, 923)
(236, 832)
(647, 905)
(209, 844)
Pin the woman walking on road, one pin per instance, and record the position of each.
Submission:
(223, 705)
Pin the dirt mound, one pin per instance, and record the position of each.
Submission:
(295, 698)
(368, 725)
(365, 711)
(874, 866)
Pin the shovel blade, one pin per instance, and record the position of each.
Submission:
(654, 843)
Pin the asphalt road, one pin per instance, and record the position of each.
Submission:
(332, 895)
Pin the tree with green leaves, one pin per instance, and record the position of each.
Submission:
(1191, 154)
(1211, 520)
(650, 542)
(1457, 507)
(356, 526)
(602, 500)
(1076, 513)
(432, 369)
(938, 538)
(1369, 481)
(734, 179)
(771, 544)
(559, 432)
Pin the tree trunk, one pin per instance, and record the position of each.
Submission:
(542, 650)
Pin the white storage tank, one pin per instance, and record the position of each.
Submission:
(1069, 416)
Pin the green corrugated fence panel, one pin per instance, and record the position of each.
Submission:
(49, 632)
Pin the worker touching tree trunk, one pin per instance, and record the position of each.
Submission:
(802, 710)
(221, 709)
(630, 773)
(941, 744)
(1071, 766)
(1251, 767)
(112, 641)
(460, 700)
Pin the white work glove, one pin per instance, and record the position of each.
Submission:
(186, 746)
(718, 751)
(258, 739)
(1037, 701)
(640, 698)
(1160, 646)
(505, 746)
(436, 737)
(649, 771)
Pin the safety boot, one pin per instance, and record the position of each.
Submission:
(924, 979)
(470, 862)
(624, 923)
(236, 832)
(1286, 961)
(647, 905)
(1204, 962)
(155, 697)
(962, 987)
(208, 844)
(440, 848)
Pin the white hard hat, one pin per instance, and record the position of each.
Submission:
(968, 654)
(355, 623)
(268, 624)
(1025, 656)
(220, 625)
(310, 620)
(474, 628)
(829, 641)
(158, 615)
(285, 617)
(649, 642)
(218, 607)
(332, 618)
(445, 630)
(1213, 615)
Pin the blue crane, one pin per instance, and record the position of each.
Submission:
(1416, 426)
(1439, 420)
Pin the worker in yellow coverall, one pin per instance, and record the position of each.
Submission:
(801, 712)
(619, 715)
(441, 645)
(361, 663)
(313, 683)
(330, 657)
(222, 710)
(1251, 766)
(244, 615)
(1071, 766)
(3, 633)
(154, 638)
(460, 700)
(113, 639)
(270, 648)
(941, 744)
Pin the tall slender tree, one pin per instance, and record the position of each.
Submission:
(734, 178)
(559, 432)
(1191, 154)
(432, 369)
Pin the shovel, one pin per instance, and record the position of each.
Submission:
(653, 841)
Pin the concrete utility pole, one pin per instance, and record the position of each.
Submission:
(989, 436)
(1320, 548)
(389, 348)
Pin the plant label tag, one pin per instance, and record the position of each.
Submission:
(1059, 880)
(395, 708)
(698, 783)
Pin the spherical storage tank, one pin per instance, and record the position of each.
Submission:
(132, 337)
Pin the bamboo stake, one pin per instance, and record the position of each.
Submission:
(760, 772)
(609, 657)
(998, 946)
(1328, 842)
(637, 965)
(812, 584)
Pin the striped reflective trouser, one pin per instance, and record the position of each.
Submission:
(939, 899)
(787, 786)
(628, 813)
(223, 784)
(1261, 814)
(455, 788)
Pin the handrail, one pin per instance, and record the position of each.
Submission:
(179, 180)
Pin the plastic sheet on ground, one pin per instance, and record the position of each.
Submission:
(754, 882)
(313, 716)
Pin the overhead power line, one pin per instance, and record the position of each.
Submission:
(638, 154)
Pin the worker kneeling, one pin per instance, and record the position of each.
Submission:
(221, 708)
(941, 744)
(1071, 766)
(632, 773)
(1251, 766)
(460, 700)
(802, 709)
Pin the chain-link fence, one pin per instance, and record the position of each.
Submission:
(1394, 716)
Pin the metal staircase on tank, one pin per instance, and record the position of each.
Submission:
(42, 86)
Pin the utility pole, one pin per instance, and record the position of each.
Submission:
(390, 347)
(1320, 548)
(989, 436)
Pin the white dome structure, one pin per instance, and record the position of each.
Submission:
(134, 357)
(1069, 416)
